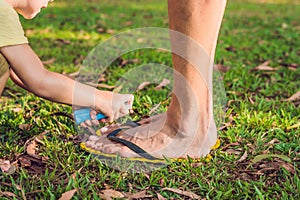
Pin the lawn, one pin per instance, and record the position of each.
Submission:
(259, 157)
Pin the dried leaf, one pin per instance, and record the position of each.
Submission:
(64, 41)
(100, 30)
(294, 97)
(154, 109)
(73, 176)
(33, 163)
(101, 85)
(264, 156)
(162, 84)
(185, 193)
(72, 75)
(78, 60)
(25, 162)
(25, 127)
(17, 110)
(110, 193)
(231, 144)
(251, 100)
(31, 147)
(264, 67)
(128, 23)
(160, 197)
(290, 168)
(273, 141)
(68, 195)
(48, 62)
(5, 165)
(161, 182)
(231, 49)
(138, 195)
(123, 62)
(233, 151)
(244, 156)
(118, 89)
(8, 194)
(221, 68)
(143, 85)
(294, 126)
(110, 31)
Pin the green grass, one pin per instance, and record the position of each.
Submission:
(250, 35)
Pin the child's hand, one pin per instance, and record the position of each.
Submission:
(92, 122)
(121, 106)
(113, 105)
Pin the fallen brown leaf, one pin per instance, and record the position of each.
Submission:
(48, 62)
(68, 195)
(243, 157)
(25, 127)
(251, 100)
(294, 97)
(110, 193)
(154, 108)
(163, 83)
(64, 41)
(17, 110)
(8, 194)
(143, 85)
(72, 75)
(264, 67)
(231, 49)
(289, 167)
(123, 62)
(101, 85)
(273, 141)
(221, 68)
(128, 23)
(78, 60)
(233, 151)
(110, 31)
(33, 163)
(101, 30)
(231, 144)
(31, 147)
(160, 197)
(5, 165)
(118, 89)
(73, 176)
(138, 195)
(185, 193)
(25, 162)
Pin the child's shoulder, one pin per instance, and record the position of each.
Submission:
(6, 9)
(5, 5)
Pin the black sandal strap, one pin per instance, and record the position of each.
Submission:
(130, 145)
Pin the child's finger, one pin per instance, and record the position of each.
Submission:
(88, 123)
(93, 114)
(95, 122)
(83, 125)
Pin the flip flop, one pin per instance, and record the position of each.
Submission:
(144, 156)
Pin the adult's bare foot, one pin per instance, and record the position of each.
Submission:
(160, 139)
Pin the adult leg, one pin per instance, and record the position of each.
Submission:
(187, 128)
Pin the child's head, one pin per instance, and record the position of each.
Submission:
(30, 8)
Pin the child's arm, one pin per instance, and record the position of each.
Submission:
(59, 88)
(16, 79)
